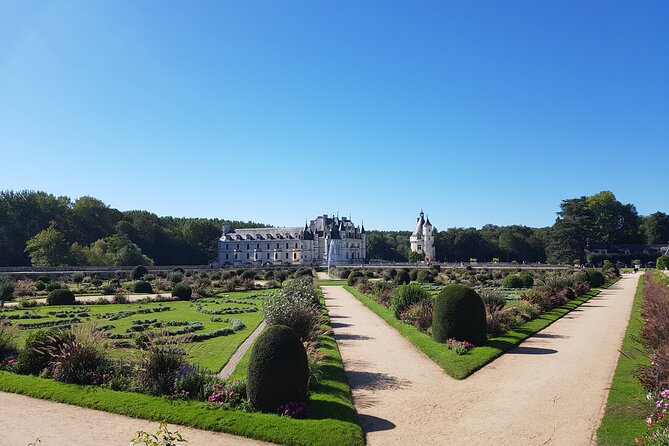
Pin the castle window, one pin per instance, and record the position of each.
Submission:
(257, 245)
(268, 255)
(347, 255)
(277, 246)
(268, 248)
(226, 256)
(255, 256)
(294, 256)
(295, 245)
(247, 255)
(237, 245)
(286, 245)
(286, 255)
(248, 246)
(236, 256)
(419, 247)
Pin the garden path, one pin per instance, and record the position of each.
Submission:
(60, 424)
(237, 356)
(549, 390)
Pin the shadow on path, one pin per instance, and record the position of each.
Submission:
(375, 381)
(531, 351)
(370, 423)
(353, 337)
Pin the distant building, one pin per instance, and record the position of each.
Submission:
(651, 250)
(422, 240)
(325, 236)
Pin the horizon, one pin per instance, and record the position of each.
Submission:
(477, 115)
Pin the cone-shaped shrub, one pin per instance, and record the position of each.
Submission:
(278, 371)
(459, 313)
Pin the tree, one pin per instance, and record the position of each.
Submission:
(92, 220)
(656, 228)
(566, 243)
(6, 291)
(48, 248)
(416, 256)
(116, 250)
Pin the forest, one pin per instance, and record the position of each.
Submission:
(40, 229)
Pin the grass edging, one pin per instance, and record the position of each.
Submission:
(461, 366)
(627, 407)
(332, 421)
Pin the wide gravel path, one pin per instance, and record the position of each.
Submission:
(24, 419)
(550, 390)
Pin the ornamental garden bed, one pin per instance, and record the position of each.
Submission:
(459, 359)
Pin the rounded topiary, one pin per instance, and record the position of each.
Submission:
(278, 372)
(182, 291)
(527, 278)
(425, 276)
(142, 286)
(596, 278)
(662, 263)
(402, 277)
(60, 296)
(53, 286)
(413, 275)
(459, 314)
(138, 272)
(353, 278)
(512, 281)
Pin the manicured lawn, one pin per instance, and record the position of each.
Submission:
(211, 354)
(332, 417)
(461, 366)
(627, 406)
(339, 282)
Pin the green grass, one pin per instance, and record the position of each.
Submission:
(461, 366)
(339, 282)
(332, 417)
(627, 407)
(211, 354)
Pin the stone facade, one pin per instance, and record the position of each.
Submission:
(310, 245)
(422, 240)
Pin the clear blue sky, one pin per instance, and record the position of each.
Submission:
(480, 112)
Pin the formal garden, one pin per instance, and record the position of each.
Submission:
(158, 358)
(463, 319)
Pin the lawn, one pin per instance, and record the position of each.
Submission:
(627, 406)
(211, 354)
(461, 366)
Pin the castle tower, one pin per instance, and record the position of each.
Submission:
(422, 239)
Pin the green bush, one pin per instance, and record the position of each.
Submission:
(33, 358)
(459, 314)
(353, 278)
(142, 286)
(60, 296)
(413, 275)
(6, 291)
(344, 273)
(278, 370)
(595, 278)
(662, 263)
(39, 285)
(159, 365)
(512, 281)
(425, 276)
(182, 291)
(138, 272)
(402, 277)
(249, 274)
(53, 286)
(406, 295)
(527, 278)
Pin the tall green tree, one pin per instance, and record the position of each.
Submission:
(48, 248)
(656, 228)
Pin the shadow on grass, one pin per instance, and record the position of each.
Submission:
(326, 409)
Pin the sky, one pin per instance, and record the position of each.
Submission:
(276, 112)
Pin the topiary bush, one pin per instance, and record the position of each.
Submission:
(425, 276)
(142, 286)
(595, 278)
(138, 272)
(353, 278)
(459, 314)
(402, 277)
(60, 296)
(413, 275)
(278, 370)
(182, 291)
(53, 286)
(406, 295)
(527, 278)
(662, 263)
(512, 281)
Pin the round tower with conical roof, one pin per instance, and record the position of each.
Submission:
(422, 239)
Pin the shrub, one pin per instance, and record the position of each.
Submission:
(32, 358)
(527, 278)
(138, 272)
(77, 357)
(595, 278)
(459, 313)
(406, 295)
(402, 277)
(158, 368)
(248, 274)
(492, 297)
(413, 275)
(353, 278)
(662, 263)
(524, 311)
(182, 291)
(425, 276)
(499, 320)
(303, 287)
(53, 286)
(419, 315)
(6, 291)
(8, 335)
(278, 371)
(175, 277)
(39, 285)
(512, 281)
(142, 286)
(192, 382)
(344, 273)
(545, 300)
(298, 313)
(60, 296)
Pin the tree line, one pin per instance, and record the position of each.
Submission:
(582, 225)
(40, 229)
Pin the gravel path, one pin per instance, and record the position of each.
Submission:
(550, 390)
(24, 419)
